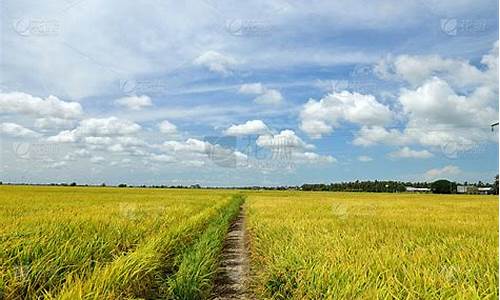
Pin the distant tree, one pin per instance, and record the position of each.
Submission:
(103, 184)
(495, 185)
(73, 184)
(443, 186)
(122, 185)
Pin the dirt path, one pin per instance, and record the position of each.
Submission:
(233, 270)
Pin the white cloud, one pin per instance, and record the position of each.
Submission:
(264, 95)
(450, 108)
(286, 139)
(252, 88)
(407, 152)
(256, 127)
(58, 165)
(286, 146)
(116, 148)
(161, 158)
(270, 97)
(22, 103)
(321, 117)
(459, 73)
(15, 130)
(189, 146)
(311, 157)
(131, 141)
(372, 135)
(50, 123)
(77, 154)
(216, 62)
(97, 129)
(167, 127)
(97, 159)
(98, 140)
(445, 172)
(134, 102)
(364, 158)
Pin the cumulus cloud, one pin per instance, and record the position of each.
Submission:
(98, 130)
(216, 62)
(252, 127)
(407, 152)
(134, 102)
(264, 95)
(50, 123)
(371, 135)
(167, 127)
(286, 145)
(449, 104)
(459, 73)
(444, 172)
(194, 152)
(16, 130)
(321, 117)
(22, 103)
(286, 139)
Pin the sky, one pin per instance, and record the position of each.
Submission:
(240, 93)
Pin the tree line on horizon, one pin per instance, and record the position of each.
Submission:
(442, 186)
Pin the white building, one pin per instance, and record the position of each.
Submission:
(417, 190)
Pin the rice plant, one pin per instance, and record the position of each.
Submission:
(373, 246)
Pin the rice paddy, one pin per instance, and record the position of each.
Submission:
(373, 246)
(129, 243)
(104, 243)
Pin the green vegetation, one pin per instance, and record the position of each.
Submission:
(443, 186)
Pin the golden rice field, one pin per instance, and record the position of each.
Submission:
(109, 243)
(130, 243)
(373, 246)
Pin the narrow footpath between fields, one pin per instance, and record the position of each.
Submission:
(230, 281)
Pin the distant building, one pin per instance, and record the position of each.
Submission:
(486, 190)
(470, 189)
(462, 189)
(417, 189)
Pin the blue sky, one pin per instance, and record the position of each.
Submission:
(224, 93)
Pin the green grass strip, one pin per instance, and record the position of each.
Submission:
(196, 273)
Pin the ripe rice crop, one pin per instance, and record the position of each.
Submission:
(373, 246)
(100, 243)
